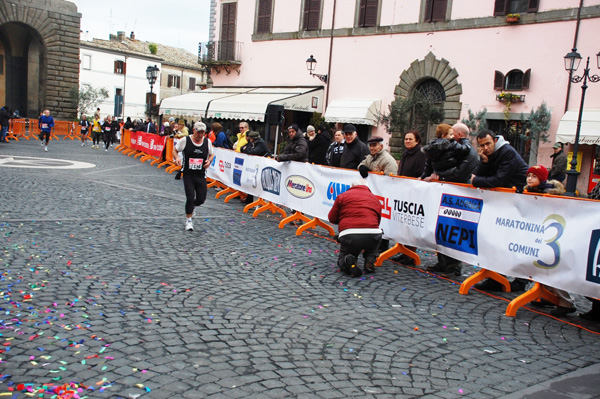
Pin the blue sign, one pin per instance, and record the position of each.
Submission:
(237, 171)
(457, 222)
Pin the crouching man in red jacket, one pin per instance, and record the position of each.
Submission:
(358, 213)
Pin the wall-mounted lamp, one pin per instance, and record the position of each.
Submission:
(311, 64)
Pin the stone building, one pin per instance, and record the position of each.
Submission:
(39, 56)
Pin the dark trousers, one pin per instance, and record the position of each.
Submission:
(109, 137)
(354, 244)
(195, 191)
(96, 137)
(45, 135)
(447, 262)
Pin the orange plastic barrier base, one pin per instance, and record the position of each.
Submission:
(480, 276)
(536, 293)
(293, 217)
(397, 249)
(216, 183)
(264, 206)
(226, 190)
(314, 223)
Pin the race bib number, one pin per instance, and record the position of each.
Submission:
(196, 163)
(44, 126)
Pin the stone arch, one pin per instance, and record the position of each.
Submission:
(44, 41)
(430, 68)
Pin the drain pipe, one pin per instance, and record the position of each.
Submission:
(330, 55)
(574, 49)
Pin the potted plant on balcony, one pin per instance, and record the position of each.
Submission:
(513, 18)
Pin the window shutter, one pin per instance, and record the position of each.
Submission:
(500, 7)
(170, 81)
(428, 10)
(124, 68)
(533, 5)
(192, 86)
(526, 77)
(116, 66)
(498, 80)
(371, 13)
(438, 10)
(312, 11)
(367, 15)
(264, 16)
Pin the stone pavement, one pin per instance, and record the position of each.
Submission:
(105, 291)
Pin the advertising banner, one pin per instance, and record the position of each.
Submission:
(555, 241)
(149, 143)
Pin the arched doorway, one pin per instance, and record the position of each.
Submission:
(22, 83)
(430, 86)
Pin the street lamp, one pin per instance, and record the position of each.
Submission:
(151, 75)
(311, 64)
(572, 61)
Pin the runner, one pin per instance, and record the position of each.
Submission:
(46, 123)
(96, 132)
(109, 128)
(85, 129)
(197, 153)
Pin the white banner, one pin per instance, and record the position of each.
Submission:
(555, 241)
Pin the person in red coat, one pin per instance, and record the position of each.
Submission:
(358, 213)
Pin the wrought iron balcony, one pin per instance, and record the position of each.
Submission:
(220, 55)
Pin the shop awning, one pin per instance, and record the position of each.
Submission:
(358, 111)
(252, 104)
(195, 104)
(590, 127)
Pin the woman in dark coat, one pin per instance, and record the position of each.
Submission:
(413, 160)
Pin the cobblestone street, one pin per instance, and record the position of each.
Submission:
(103, 288)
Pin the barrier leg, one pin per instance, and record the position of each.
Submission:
(293, 217)
(160, 165)
(535, 293)
(147, 157)
(235, 194)
(156, 160)
(259, 202)
(225, 191)
(139, 154)
(269, 207)
(397, 249)
(482, 275)
(216, 183)
(316, 222)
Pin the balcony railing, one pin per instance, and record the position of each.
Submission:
(221, 52)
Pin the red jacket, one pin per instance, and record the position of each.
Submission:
(356, 208)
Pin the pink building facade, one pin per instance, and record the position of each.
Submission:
(462, 54)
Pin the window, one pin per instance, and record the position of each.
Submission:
(367, 13)
(86, 61)
(432, 90)
(174, 81)
(263, 22)
(514, 80)
(435, 10)
(226, 52)
(312, 14)
(120, 67)
(503, 7)
(192, 85)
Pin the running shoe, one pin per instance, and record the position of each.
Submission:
(46, 148)
(189, 226)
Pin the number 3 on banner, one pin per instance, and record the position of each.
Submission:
(559, 224)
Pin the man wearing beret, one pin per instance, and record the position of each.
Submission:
(355, 150)
(379, 160)
(256, 145)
